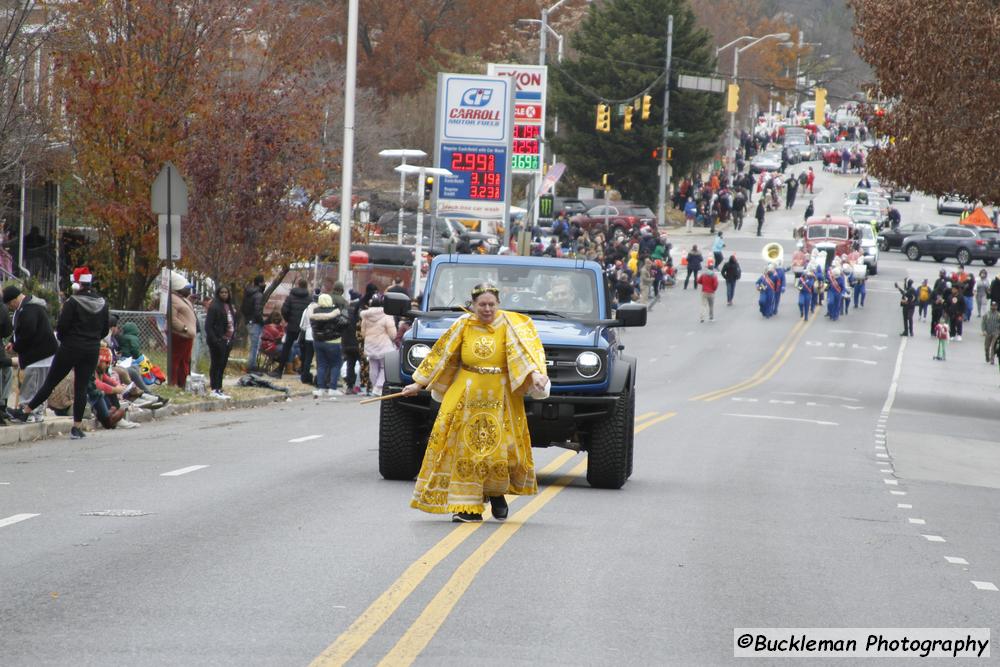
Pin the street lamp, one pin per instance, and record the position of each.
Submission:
(780, 36)
(422, 172)
(543, 37)
(541, 60)
(402, 153)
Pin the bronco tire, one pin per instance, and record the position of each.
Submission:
(912, 252)
(607, 463)
(399, 452)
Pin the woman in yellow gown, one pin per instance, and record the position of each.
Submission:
(479, 448)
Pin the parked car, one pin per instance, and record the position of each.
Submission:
(620, 215)
(592, 399)
(952, 204)
(899, 192)
(767, 161)
(569, 205)
(440, 235)
(964, 243)
(893, 238)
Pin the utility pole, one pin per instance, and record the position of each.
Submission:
(347, 168)
(661, 213)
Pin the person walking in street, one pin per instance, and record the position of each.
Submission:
(32, 340)
(955, 308)
(328, 323)
(765, 288)
(923, 300)
(982, 288)
(941, 334)
(809, 212)
(296, 302)
(253, 314)
(717, 246)
(709, 284)
(908, 302)
(690, 210)
(835, 292)
(220, 331)
(760, 215)
(991, 330)
(739, 209)
(810, 179)
(83, 322)
(379, 332)
(995, 289)
(731, 273)
(694, 260)
(488, 353)
(183, 328)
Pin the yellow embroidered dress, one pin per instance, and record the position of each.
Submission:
(479, 445)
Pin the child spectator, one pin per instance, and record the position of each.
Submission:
(272, 335)
(379, 332)
(941, 332)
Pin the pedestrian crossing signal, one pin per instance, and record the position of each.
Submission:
(603, 118)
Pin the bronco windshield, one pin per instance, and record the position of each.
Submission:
(568, 291)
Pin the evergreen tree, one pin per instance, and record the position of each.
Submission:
(621, 52)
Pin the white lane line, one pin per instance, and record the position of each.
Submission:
(933, 538)
(740, 399)
(898, 493)
(887, 471)
(955, 560)
(778, 401)
(985, 585)
(801, 393)
(891, 482)
(4, 483)
(861, 333)
(859, 361)
(917, 522)
(904, 506)
(891, 397)
(882, 456)
(181, 471)
(786, 419)
(16, 519)
(306, 438)
(881, 448)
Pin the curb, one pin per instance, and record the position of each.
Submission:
(16, 434)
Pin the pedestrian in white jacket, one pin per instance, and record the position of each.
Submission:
(379, 332)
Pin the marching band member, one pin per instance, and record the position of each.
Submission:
(845, 300)
(766, 287)
(805, 284)
(857, 282)
(835, 282)
(779, 281)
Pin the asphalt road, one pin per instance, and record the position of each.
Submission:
(765, 494)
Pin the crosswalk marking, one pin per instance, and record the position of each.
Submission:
(16, 519)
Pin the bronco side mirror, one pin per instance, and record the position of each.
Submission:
(631, 315)
(395, 304)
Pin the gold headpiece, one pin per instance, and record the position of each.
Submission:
(479, 290)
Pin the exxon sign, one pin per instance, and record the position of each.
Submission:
(475, 109)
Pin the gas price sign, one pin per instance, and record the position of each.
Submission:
(526, 148)
(478, 172)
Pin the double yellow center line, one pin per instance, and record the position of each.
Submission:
(767, 371)
(423, 629)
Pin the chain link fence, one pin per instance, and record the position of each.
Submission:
(151, 324)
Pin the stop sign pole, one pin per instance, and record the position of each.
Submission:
(169, 197)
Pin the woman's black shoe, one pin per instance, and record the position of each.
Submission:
(466, 517)
(498, 505)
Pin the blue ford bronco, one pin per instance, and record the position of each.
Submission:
(591, 406)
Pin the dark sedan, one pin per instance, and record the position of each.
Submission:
(893, 238)
(963, 243)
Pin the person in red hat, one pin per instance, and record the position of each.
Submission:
(83, 322)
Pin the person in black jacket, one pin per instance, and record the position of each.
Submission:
(760, 215)
(731, 273)
(33, 340)
(253, 313)
(82, 324)
(908, 302)
(6, 372)
(220, 330)
(295, 304)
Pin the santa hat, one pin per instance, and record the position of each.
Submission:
(82, 275)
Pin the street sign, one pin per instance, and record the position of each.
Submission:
(170, 194)
(530, 85)
(474, 135)
(703, 83)
(175, 236)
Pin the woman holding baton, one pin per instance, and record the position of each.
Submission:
(480, 448)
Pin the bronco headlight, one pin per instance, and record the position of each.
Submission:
(417, 353)
(588, 364)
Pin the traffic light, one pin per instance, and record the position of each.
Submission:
(733, 99)
(605, 180)
(603, 118)
(628, 118)
(428, 186)
(647, 101)
(657, 153)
